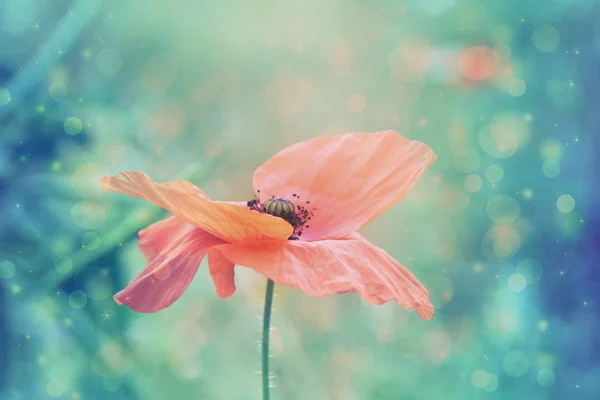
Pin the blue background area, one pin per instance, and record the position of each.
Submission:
(503, 229)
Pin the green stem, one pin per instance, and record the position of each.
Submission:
(265, 339)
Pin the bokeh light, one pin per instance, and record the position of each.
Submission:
(478, 63)
(515, 363)
(7, 269)
(531, 269)
(63, 264)
(90, 241)
(516, 282)
(517, 87)
(546, 38)
(503, 208)
(58, 90)
(480, 378)
(473, 183)
(501, 229)
(494, 173)
(551, 168)
(73, 125)
(546, 377)
(78, 299)
(565, 203)
(4, 96)
(498, 140)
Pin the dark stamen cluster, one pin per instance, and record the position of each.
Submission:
(298, 219)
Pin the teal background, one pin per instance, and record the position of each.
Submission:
(503, 228)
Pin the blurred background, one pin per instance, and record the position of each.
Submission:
(503, 229)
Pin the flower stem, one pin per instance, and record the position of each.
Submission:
(265, 339)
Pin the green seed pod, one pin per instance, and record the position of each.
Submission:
(279, 207)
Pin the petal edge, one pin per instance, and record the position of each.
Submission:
(223, 220)
(349, 179)
(168, 274)
(328, 267)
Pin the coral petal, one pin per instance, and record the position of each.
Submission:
(226, 221)
(327, 267)
(155, 238)
(348, 179)
(169, 272)
(426, 312)
(222, 272)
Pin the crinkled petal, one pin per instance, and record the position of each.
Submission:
(226, 221)
(348, 179)
(327, 267)
(168, 273)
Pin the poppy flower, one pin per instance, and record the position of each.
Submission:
(300, 231)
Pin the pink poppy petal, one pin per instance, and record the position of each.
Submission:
(327, 267)
(226, 221)
(348, 179)
(222, 273)
(155, 238)
(169, 273)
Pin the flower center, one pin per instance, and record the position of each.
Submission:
(279, 207)
(297, 216)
